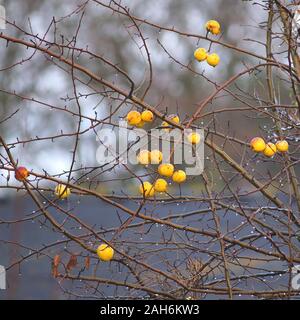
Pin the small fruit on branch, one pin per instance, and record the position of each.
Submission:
(270, 149)
(179, 176)
(62, 191)
(258, 144)
(194, 138)
(105, 252)
(147, 189)
(156, 156)
(147, 116)
(144, 157)
(213, 27)
(166, 169)
(133, 118)
(21, 174)
(160, 185)
(213, 59)
(282, 146)
(200, 54)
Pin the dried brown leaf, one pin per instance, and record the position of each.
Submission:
(72, 262)
(87, 262)
(54, 271)
(56, 260)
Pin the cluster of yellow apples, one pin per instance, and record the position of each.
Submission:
(166, 170)
(137, 119)
(258, 144)
(201, 54)
(148, 189)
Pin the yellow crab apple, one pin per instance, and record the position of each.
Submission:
(166, 169)
(175, 118)
(160, 185)
(105, 252)
(270, 149)
(133, 118)
(213, 27)
(282, 146)
(144, 157)
(147, 116)
(213, 59)
(62, 191)
(258, 144)
(147, 189)
(156, 156)
(200, 54)
(179, 176)
(194, 138)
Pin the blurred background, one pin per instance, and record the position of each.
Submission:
(173, 88)
(28, 76)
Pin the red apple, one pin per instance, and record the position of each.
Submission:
(21, 173)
